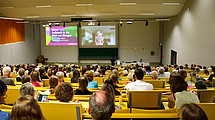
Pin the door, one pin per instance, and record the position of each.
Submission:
(173, 57)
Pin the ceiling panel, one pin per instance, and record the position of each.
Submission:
(101, 8)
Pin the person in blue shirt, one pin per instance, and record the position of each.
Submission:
(3, 89)
(91, 83)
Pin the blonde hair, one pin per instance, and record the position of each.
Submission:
(89, 75)
(109, 89)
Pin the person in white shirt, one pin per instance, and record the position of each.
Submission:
(139, 84)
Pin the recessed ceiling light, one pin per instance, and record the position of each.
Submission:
(23, 22)
(127, 3)
(164, 19)
(44, 6)
(32, 16)
(146, 14)
(10, 18)
(67, 15)
(84, 4)
(171, 3)
(6, 7)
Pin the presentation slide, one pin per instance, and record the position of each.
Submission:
(98, 37)
(62, 35)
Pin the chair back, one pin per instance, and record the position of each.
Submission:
(46, 83)
(205, 96)
(145, 99)
(12, 95)
(100, 80)
(61, 111)
(157, 83)
(208, 109)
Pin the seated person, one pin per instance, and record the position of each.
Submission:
(179, 94)
(91, 84)
(101, 106)
(64, 92)
(161, 72)
(53, 82)
(6, 76)
(139, 84)
(125, 73)
(35, 78)
(43, 73)
(25, 79)
(209, 81)
(82, 90)
(154, 75)
(26, 108)
(21, 73)
(3, 90)
(27, 89)
(60, 76)
(192, 112)
(76, 75)
(183, 74)
(109, 89)
(109, 81)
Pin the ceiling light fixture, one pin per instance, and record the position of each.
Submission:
(171, 3)
(6, 7)
(44, 6)
(91, 23)
(163, 19)
(147, 14)
(11, 18)
(84, 4)
(127, 3)
(129, 22)
(67, 15)
(32, 16)
(25, 22)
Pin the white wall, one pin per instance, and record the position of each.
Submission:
(135, 35)
(23, 52)
(139, 36)
(192, 34)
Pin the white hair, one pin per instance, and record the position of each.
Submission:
(60, 75)
(130, 76)
(154, 74)
(125, 72)
(37, 69)
(6, 70)
(161, 70)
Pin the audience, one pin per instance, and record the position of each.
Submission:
(21, 73)
(27, 89)
(60, 76)
(3, 90)
(25, 79)
(53, 82)
(139, 84)
(43, 73)
(64, 92)
(35, 78)
(6, 76)
(26, 108)
(101, 106)
(76, 75)
(179, 94)
(192, 112)
(91, 84)
(83, 83)
(161, 72)
(154, 75)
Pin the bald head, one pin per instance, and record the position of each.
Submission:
(101, 105)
